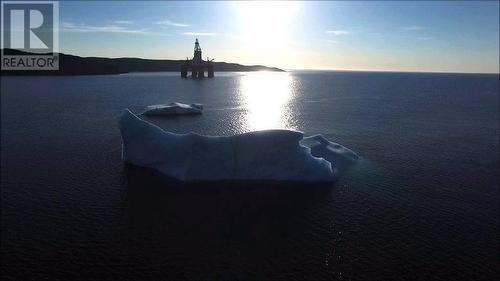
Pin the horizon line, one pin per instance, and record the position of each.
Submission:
(282, 68)
(382, 70)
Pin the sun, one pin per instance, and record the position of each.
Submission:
(265, 23)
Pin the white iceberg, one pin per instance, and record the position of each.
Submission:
(174, 108)
(275, 155)
(340, 156)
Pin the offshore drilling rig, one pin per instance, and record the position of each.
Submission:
(197, 65)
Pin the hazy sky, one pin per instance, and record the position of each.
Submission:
(375, 35)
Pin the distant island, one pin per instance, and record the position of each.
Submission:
(76, 65)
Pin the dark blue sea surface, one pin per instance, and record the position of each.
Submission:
(421, 204)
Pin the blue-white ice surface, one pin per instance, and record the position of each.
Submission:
(174, 108)
(278, 155)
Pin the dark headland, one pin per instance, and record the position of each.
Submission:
(75, 65)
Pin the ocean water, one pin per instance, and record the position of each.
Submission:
(421, 204)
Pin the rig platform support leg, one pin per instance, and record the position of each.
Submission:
(184, 71)
(210, 71)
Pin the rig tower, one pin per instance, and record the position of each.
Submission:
(197, 65)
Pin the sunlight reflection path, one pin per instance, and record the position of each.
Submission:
(266, 97)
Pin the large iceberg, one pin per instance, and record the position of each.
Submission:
(174, 108)
(340, 156)
(275, 155)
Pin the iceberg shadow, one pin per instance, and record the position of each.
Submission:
(198, 222)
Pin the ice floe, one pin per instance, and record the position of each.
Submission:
(174, 108)
(277, 155)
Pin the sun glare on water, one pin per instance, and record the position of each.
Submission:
(264, 29)
(266, 96)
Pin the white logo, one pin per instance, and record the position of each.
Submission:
(30, 35)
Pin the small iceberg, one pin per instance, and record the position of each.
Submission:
(275, 155)
(174, 108)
